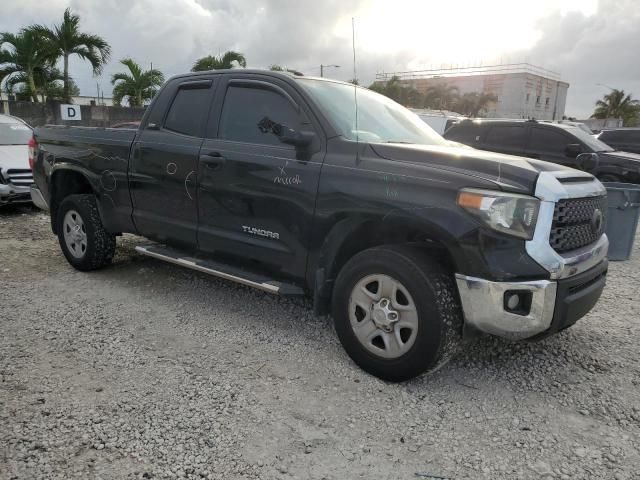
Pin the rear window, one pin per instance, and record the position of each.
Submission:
(14, 134)
(506, 136)
(188, 111)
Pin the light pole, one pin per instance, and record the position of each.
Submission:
(322, 67)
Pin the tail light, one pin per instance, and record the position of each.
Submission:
(33, 144)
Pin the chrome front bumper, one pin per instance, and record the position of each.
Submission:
(13, 194)
(483, 304)
(483, 301)
(38, 199)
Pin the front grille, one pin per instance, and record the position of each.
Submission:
(19, 178)
(575, 223)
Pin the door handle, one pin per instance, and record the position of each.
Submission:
(212, 160)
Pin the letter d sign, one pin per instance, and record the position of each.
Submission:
(70, 112)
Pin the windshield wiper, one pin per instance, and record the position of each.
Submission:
(399, 141)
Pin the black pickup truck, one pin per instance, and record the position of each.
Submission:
(275, 181)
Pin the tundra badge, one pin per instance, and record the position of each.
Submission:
(260, 232)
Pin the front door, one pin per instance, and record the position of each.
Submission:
(164, 167)
(256, 194)
(550, 144)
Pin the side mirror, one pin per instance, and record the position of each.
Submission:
(292, 137)
(588, 162)
(285, 134)
(573, 150)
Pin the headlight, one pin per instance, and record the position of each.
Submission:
(505, 212)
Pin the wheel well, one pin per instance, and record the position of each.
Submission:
(63, 184)
(371, 234)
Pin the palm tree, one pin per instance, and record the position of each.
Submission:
(66, 39)
(20, 56)
(137, 86)
(441, 96)
(473, 104)
(46, 81)
(223, 62)
(618, 105)
(398, 91)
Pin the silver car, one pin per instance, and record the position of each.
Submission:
(16, 176)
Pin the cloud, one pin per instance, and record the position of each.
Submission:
(585, 42)
(587, 50)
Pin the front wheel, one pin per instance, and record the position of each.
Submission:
(396, 312)
(83, 239)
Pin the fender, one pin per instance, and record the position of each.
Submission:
(101, 186)
(353, 234)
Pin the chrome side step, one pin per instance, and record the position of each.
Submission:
(221, 270)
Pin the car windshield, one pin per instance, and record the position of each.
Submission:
(591, 141)
(380, 119)
(14, 134)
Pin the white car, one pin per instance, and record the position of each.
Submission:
(16, 176)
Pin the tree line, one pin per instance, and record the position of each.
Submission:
(440, 96)
(29, 59)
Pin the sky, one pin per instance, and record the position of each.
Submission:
(589, 42)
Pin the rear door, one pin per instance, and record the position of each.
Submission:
(550, 144)
(507, 138)
(164, 165)
(257, 195)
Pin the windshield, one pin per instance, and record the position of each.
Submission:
(380, 119)
(591, 141)
(14, 134)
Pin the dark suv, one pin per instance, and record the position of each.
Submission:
(552, 142)
(625, 139)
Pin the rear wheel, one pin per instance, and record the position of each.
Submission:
(396, 312)
(82, 237)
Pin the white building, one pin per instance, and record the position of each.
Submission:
(523, 90)
(92, 100)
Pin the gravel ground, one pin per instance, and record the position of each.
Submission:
(146, 370)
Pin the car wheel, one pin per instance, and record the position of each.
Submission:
(396, 312)
(83, 239)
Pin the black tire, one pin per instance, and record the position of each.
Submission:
(609, 177)
(100, 244)
(432, 287)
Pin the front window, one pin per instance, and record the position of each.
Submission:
(14, 134)
(592, 142)
(380, 119)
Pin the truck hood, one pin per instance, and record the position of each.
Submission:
(510, 173)
(14, 156)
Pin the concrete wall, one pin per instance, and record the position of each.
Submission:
(37, 114)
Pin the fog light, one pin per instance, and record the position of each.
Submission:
(517, 301)
(513, 301)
